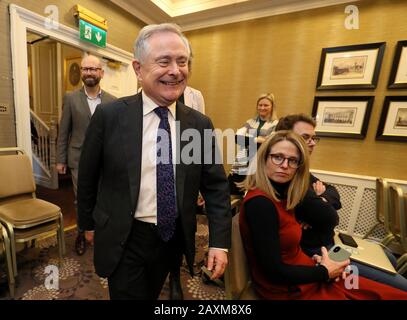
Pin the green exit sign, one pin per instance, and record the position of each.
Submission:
(90, 33)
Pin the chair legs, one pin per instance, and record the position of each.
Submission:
(9, 264)
(61, 239)
(13, 250)
(402, 264)
(371, 230)
(403, 268)
(389, 238)
(10, 232)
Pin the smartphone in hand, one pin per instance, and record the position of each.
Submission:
(338, 254)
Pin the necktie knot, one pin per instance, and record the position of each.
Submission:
(162, 112)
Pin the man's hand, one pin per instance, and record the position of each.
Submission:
(89, 235)
(319, 187)
(260, 139)
(219, 259)
(200, 201)
(61, 168)
(305, 226)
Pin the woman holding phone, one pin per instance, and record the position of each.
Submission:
(271, 234)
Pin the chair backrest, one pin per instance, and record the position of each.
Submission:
(394, 205)
(382, 202)
(237, 277)
(16, 175)
(398, 223)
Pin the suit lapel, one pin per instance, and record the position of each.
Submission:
(185, 121)
(102, 96)
(84, 102)
(131, 129)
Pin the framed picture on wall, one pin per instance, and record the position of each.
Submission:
(73, 73)
(350, 67)
(398, 74)
(393, 120)
(342, 117)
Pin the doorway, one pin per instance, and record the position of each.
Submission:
(123, 81)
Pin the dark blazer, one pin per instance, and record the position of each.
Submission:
(320, 215)
(74, 122)
(109, 182)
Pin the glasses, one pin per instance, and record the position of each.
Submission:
(279, 159)
(308, 138)
(92, 70)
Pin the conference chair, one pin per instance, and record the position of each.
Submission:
(238, 284)
(25, 217)
(382, 210)
(235, 201)
(5, 242)
(398, 223)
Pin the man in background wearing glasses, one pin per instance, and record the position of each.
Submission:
(318, 209)
(77, 109)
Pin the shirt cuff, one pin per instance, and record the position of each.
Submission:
(223, 249)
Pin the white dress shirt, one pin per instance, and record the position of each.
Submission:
(193, 98)
(93, 102)
(147, 201)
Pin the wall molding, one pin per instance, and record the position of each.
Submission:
(146, 11)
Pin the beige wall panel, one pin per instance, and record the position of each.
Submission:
(235, 63)
(7, 123)
(281, 54)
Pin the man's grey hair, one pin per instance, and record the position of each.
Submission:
(141, 45)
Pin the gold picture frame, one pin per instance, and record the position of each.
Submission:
(73, 74)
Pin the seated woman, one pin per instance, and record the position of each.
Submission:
(317, 211)
(255, 129)
(271, 234)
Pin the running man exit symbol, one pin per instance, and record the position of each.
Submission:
(90, 33)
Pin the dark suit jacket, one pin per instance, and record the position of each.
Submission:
(74, 122)
(320, 215)
(109, 182)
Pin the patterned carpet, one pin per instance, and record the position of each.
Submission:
(78, 281)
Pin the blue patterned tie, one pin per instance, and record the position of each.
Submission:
(166, 201)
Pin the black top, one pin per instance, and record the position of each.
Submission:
(320, 215)
(262, 217)
(261, 124)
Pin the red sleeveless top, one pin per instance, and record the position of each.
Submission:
(291, 253)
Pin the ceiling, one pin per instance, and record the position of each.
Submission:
(197, 14)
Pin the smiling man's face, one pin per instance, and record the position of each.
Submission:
(164, 72)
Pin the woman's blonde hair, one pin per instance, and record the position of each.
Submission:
(300, 182)
(269, 97)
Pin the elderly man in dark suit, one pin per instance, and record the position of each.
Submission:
(137, 185)
(78, 108)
